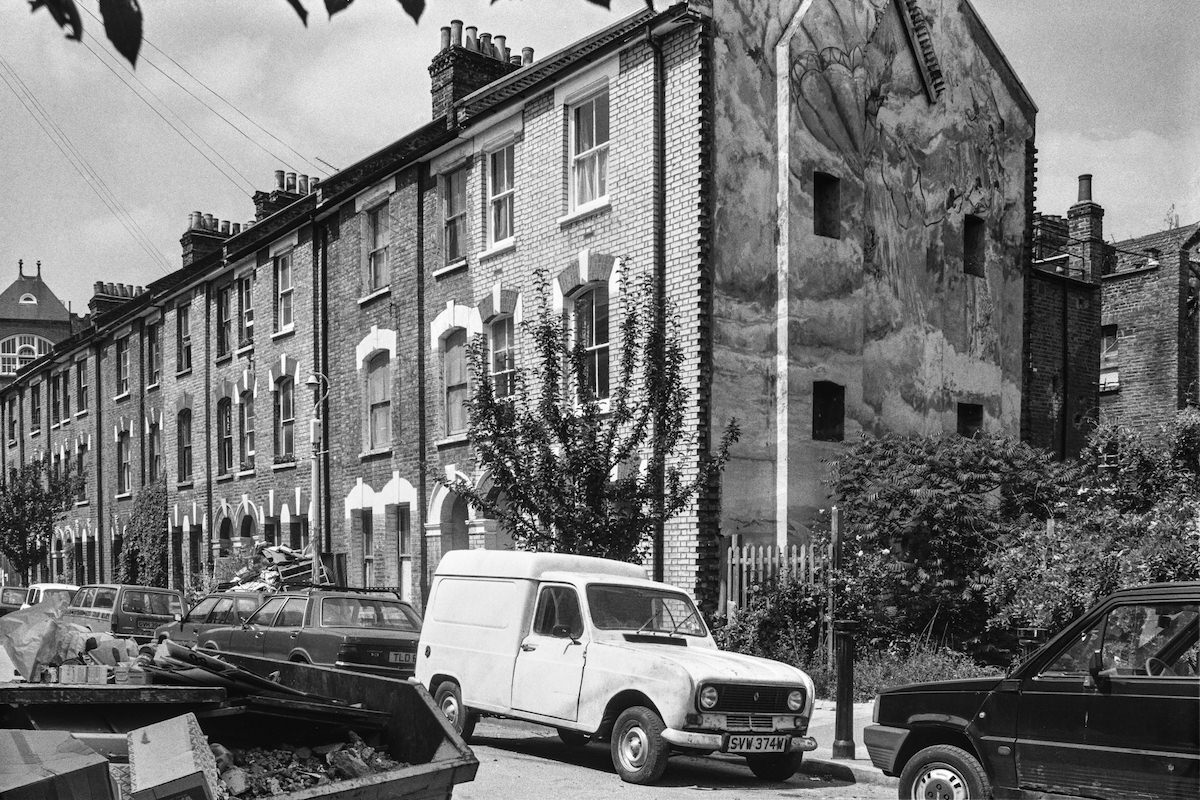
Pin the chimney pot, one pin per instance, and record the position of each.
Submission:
(312, 183)
(1085, 188)
(279, 179)
(456, 32)
(208, 221)
(98, 287)
(514, 60)
(485, 44)
(526, 56)
(235, 228)
(225, 227)
(445, 38)
(472, 41)
(191, 220)
(291, 182)
(302, 185)
(498, 40)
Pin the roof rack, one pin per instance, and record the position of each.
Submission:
(329, 587)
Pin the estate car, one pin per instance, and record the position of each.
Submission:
(353, 629)
(1108, 708)
(212, 611)
(11, 598)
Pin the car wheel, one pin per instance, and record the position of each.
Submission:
(573, 738)
(944, 772)
(774, 767)
(639, 752)
(299, 660)
(449, 700)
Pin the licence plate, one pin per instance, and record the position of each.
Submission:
(757, 744)
(402, 658)
(147, 624)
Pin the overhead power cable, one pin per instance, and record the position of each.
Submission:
(145, 58)
(79, 162)
(245, 184)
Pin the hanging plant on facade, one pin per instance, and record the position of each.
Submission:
(575, 468)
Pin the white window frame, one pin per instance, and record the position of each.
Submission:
(455, 218)
(245, 290)
(224, 309)
(183, 446)
(595, 156)
(153, 353)
(284, 427)
(224, 436)
(1110, 376)
(183, 338)
(378, 438)
(124, 463)
(501, 195)
(284, 294)
(502, 356)
(246, 428)
(593, 347)
(121, 356)
(376, 240)
(463, 386)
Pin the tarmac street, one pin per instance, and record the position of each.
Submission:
(517, 759)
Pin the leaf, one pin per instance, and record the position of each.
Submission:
(123, 25)
(334, 6)
(299, 10)
(415, 8)
(64, 13)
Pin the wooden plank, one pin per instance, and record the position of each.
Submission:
(44, 693)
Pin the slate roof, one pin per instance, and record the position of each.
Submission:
(47, 309)
(1165, 242)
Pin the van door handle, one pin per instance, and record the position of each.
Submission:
(529, 648)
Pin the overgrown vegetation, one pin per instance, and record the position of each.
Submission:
(144, 549)
(33, 498)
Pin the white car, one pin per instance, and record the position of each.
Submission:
(594, 649)
(38, 592)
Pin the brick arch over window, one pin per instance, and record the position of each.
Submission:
(375, 341)
(499, 302)
(184, 400)
(224, 390)
(451, 318)
(245, 383)
(589, 267)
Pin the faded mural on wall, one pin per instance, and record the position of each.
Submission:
(920, 131)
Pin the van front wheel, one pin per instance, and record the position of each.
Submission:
(639, 751)
(449, 700)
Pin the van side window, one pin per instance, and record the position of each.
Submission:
(105, 598)
(558, 606)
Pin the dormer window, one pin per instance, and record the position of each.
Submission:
(28, 300)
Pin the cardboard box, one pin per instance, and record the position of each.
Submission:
(97, 673)
(171, 760)
(50, 765)
(72, 673)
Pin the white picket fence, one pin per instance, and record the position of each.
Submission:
(750, 565)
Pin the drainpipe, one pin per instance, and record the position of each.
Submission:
(418, 552)
(658, 329)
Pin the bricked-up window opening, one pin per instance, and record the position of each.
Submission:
(183, 443)
(377, 248)
(379, 401)
(65, 379)
(970, 419)
(245, 287)
(246, 426)
(224, 321)
(454, 212)
(35, 407)
(368, 548)
(55, 401)
(454, 373)
(224, 436)
(591, 331)
(285, 420)
(153, 354)
(80, 467)
(827, 205)
(122, 360)
(1110, 375)
(81, 385)
(154, 453)
(589, 151)
(124, 466)
(500, 196)
(974, 245)
(283, 292)
(503, 370)
(183, 339)
(829, 412)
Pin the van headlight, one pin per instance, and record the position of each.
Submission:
(796, 699)
(709, 698)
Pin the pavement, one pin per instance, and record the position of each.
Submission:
(821, 761)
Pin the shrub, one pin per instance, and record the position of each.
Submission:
(782, 620)
(906, 661)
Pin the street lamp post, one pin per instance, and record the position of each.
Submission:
(314, 436)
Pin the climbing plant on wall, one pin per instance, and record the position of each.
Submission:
(144, 547)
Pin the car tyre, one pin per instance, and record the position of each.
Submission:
(639, 751)
(573, 738)
(775, 767)
(944, 771)
(449, 700)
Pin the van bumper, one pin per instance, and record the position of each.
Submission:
(712, 742)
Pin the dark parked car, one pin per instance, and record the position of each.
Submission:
(359, 630)
(124, 609)
(11, 599)
(1109, 708)
(215, 610)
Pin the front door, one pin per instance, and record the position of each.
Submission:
(248, 638)
(549, 668)
(281, 637)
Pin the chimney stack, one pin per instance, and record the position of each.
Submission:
(1085, 222)
(204, 235)
(465, 65)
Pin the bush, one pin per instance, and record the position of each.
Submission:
(906, 661)
(782, 621)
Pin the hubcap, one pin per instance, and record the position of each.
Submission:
(633, 748)
(940, 783)
(450, 709)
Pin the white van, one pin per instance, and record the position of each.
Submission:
(38, 592)
(592, 648)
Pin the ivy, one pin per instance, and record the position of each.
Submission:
(144, 553)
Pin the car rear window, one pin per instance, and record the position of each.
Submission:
(12, 597)
(146, 601)
(368, 612)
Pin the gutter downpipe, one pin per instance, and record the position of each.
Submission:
(659, 288)
(782, 267)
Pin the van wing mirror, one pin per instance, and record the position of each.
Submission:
(564, 632)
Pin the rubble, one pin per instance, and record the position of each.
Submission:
(272, 567)
(267, 771)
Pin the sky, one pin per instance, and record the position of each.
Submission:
(1116, 90)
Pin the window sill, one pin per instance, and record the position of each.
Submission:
(376, 453)
(1110, 389)
(224, 476)
(79, 503)
(244, 349)
(183, 485)
(452, 440)
(153, 387)
(35, 432)
(279, 334)
(451, 268)
(12, 442)
(246, 473)
(124, 495)
(383, 292)
(82, 413)
(583, 212)
(223, 357)
(498, 249)
(182, 372)
(122, 396)
(283, 465)
(54, 426)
